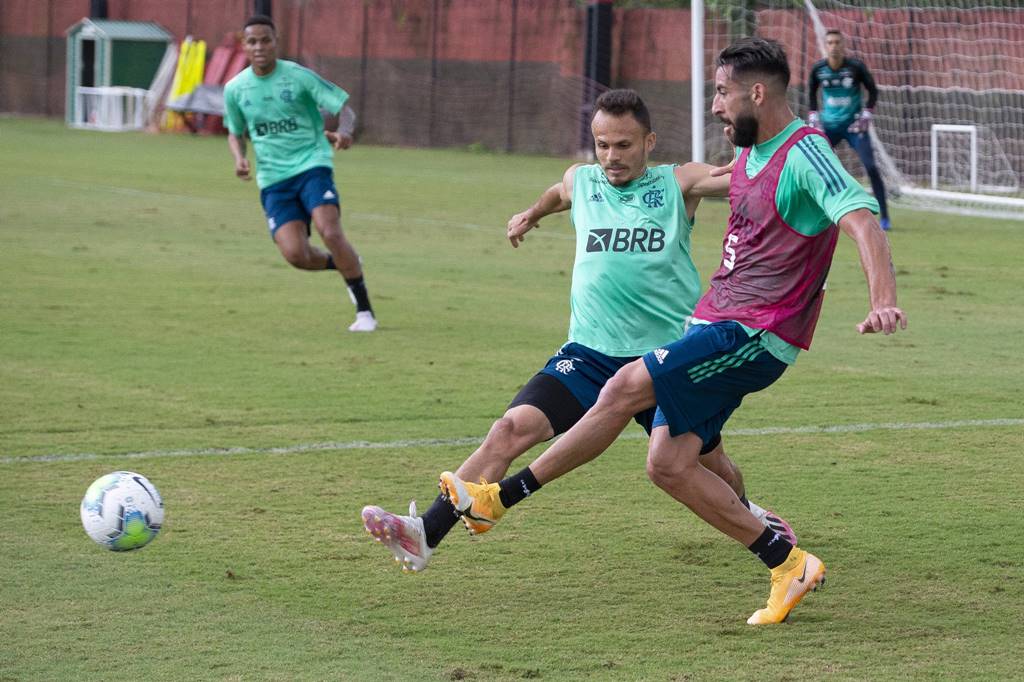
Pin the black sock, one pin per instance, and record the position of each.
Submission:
(745, 501)
(357, 287)
(771, 548)
(330, 263)
(438, 520)
(518, 487)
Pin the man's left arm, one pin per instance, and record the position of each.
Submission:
(876, 260)
(869, 84)
(344, 135)
(703, 180)
(699, 180)
(867, 114)
(330, 98)
(839, 199)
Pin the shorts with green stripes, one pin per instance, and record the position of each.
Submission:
(701, 378)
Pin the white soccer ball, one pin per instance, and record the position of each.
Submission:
(122, 511)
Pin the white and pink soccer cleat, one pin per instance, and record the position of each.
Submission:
(770, 519)
(365, 322)
(403, 535)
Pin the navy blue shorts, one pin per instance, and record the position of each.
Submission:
(584, 371)
(701, 378)
(296, 197)
(859, 142)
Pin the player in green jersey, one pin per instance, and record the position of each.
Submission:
(842, 116)
(633, 288)
(789, 200)
(277, 104)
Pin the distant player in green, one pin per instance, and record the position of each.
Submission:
(789, 199)
(277, 104)
(842, 115)
(634, 286)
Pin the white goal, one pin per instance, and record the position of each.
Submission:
(948, 129)
(110, 108)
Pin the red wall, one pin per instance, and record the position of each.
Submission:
(649, 44)
(652, 45)
(507, 74)
(467, 30)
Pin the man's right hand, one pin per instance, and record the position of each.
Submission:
(518, 226)
(814, 120)
(242, 169)
(884, 319)
(719, 171)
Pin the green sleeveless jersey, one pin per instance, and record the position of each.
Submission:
(281, 113)
(634, 284)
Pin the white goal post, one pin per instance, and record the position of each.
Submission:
(972, 131)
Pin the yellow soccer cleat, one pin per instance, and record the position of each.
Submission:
(478, 504)
(799, 574)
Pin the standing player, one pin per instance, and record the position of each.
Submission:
(634, 286)
(842, 117)
(789, 199)
(278, 102)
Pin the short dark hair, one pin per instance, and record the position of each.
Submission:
(834, 32)
(622, 102)
(260, 20)
(756, 56)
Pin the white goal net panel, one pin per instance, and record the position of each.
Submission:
(948, 129)
(110, 108)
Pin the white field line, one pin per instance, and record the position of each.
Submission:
(474, 440)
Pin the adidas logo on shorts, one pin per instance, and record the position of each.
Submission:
(660, 354)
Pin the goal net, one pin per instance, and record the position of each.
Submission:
(948, 130)
(110, 108)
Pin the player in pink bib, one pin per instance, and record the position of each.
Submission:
(789, 198)
(760, 248)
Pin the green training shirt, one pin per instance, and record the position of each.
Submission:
(281, 113)
(634, 284)
(841, 91)
(814, 191)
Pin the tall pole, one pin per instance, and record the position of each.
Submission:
(511, 78)
(697, 79)
(597, 64)
(433, 73)
(49, 65)
(300, 42)
(363, 62)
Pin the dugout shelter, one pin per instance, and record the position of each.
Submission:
(110, 66)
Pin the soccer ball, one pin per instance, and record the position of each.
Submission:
(122, 511)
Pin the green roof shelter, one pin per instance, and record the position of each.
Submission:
(116, 55)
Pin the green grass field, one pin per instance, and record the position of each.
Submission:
(148, 323)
